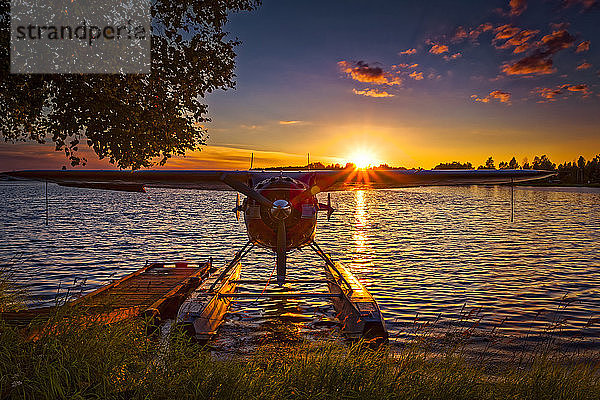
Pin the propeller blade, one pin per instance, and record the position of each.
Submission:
(237, 206)
(281, 252)
(247, 190)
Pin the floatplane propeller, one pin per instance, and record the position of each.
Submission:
(280, 213)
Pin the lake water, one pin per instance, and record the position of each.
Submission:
(444, 258)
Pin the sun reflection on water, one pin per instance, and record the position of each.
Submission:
(361, 252)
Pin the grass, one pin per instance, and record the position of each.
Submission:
(120, 361)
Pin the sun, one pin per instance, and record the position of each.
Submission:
(363, 159)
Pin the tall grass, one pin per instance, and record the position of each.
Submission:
(12, 295)
(120, 361)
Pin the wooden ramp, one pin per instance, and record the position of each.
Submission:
(155, 291)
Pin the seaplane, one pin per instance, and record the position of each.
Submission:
(280, 213)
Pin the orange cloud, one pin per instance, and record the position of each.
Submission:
(502, 97)
(290, 122)
(551, 94)
(460, 34)
(505, 31)
(408, 52)
(534, 64)
(453, 56)
(587, 4)
(372, 93)
(404, 65)
(557, 41)
(417, 76)
(363, 72)
(514, 37)
(517, 7)
(475, 33)
(578, 88)
(540, 62)
(583, 46)
(584, 65)
(438, 49)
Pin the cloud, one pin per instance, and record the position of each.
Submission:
(290, 122)
(556, 41)
(548, 93)
(417, 76)
(587, 4)
(540, 62)
(453, 56)
(517, 7)
(561, 91)
(535, 64)
(583, 46)
(251, 127)
(502, 97)
(513, 37)
(362, 72)
(460, 35)
(578, 88)
(438, 49)
(372, 93)
(404, 65)
(584, 65)
(475, 33)
(408, 52)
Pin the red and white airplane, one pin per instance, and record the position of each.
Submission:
(280, 210)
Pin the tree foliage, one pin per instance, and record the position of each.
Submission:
(454, 165)
(133, 120)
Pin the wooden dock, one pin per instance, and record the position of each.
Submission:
(155, 291)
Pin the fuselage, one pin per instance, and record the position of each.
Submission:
(300, 224)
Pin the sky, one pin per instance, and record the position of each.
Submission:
(403, 83)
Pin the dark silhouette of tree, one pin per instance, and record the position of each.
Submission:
(513, 163)
(543, 163)
(454, 165)
(581, 172)
(489, 164)
(503, 165)
(133, 120)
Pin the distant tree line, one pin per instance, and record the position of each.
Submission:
(580, 172)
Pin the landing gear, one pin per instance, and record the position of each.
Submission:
(355, 307)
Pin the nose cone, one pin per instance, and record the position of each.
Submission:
(281, 209)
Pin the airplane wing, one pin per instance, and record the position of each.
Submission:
(320, 181)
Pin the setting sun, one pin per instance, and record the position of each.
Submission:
(363, 159)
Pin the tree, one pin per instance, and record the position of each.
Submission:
(513, 163)
(543, 163)
(503, 165)
(133, 120)
(581, 166)
(489, 164)
(454, 165)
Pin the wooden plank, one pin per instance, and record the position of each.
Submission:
(125, 298)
